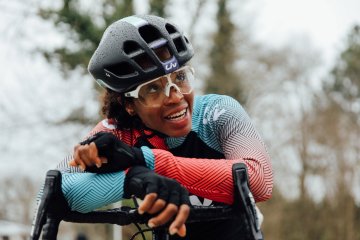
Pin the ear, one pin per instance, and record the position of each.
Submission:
(130, 108)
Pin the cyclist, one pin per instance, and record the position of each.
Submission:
(157, 128)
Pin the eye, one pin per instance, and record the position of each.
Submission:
(152, 88)
(180, 77)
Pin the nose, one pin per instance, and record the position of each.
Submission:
(175, 96)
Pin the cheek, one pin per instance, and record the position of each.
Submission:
(151, 120)
(150, 117)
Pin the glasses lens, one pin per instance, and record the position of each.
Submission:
(152, 94)
(184, 79)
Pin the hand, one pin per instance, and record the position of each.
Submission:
(162, 196)
(103, 153)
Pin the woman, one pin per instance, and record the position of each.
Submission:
(154, 120)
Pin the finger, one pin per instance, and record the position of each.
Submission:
(178, 225)
(74, 161)
(147, 203)
(84, 153)
(182, 231)
(164, 216)
(93, 154)
(81, 155)
(157, 206)
(77, 159)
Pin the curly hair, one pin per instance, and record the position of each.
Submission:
(113, 108)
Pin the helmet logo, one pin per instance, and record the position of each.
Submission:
(171, 65)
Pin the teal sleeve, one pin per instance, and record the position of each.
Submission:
(149, 157)
(86, 192)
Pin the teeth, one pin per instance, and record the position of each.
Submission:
(177, 115)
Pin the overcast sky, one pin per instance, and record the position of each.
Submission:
(325, 23)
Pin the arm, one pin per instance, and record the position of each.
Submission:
(88, 191)
(209, 178)
(85, 191)
(212, 178)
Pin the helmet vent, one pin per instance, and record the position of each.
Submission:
(149, 33)
(180, 47)
(120, 69)
(131, 47)
(163, 53)
(170, 28)
(187, 40)
(144, 61)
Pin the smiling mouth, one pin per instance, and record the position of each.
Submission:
(177, 116)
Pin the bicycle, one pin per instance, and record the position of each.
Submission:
(52, 209)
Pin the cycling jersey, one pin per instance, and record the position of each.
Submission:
(221, 135)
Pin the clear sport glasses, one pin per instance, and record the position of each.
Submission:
(153, 92)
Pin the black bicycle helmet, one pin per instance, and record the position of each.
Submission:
(116, 63)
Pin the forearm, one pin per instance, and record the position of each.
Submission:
(212, 178)
(85, 192)
(201, 177)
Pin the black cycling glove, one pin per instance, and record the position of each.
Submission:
(120, 156)
(140, 181)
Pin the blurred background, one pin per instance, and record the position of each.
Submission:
(294, 65)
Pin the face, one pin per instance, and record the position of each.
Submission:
(172, 118)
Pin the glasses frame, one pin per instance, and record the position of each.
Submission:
(135, 93)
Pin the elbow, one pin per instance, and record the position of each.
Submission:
(264, 193)
(261, 183)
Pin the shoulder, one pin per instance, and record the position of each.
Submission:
(212, 100)
(108, 125)
(105, 125)
(217, 108)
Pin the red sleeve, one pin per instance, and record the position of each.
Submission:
(211, 178)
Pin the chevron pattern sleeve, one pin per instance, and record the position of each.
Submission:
(86, 191)
(208, 178)
(240, 140)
